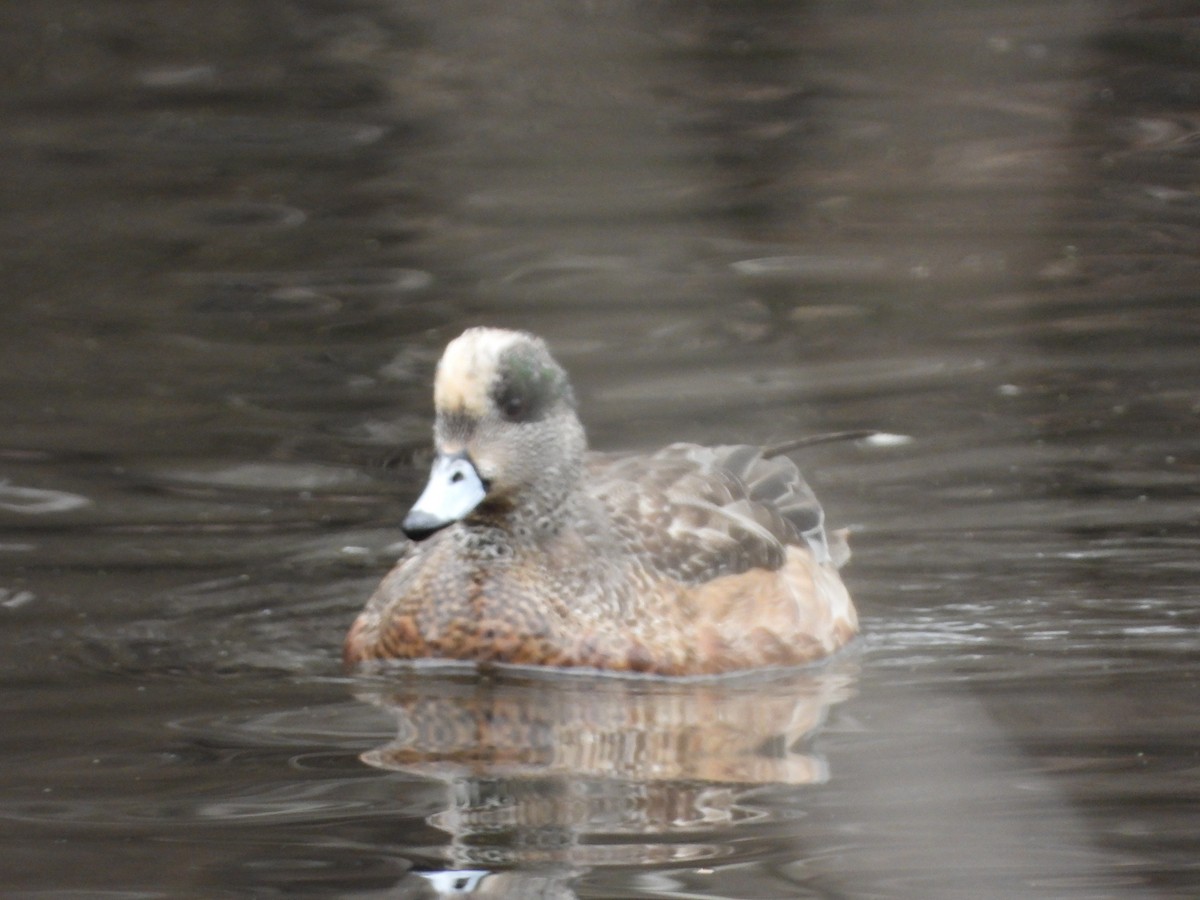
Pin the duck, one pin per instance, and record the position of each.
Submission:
(527, 548)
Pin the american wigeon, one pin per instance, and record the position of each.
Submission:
(529, 549)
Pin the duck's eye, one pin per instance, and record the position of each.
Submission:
(512, 406)
(520, 397)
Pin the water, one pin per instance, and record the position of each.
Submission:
(235, 238)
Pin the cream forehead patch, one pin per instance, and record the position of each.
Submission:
(468, 368)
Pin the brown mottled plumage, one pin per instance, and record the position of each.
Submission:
(691, 560)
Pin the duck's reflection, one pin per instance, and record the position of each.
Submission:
(559, 773)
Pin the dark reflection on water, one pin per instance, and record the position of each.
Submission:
(564, 775)
(234, 239)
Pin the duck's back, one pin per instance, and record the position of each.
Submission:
(735, 542)
(697, 513)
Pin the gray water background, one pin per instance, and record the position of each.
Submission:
(235, 237)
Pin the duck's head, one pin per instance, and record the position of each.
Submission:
(509, 444)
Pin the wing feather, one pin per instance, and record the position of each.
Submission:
(696, 513)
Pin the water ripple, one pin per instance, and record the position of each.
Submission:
(38, 501)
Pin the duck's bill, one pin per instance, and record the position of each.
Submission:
(454, 489)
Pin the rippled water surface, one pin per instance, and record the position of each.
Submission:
(235, 239)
